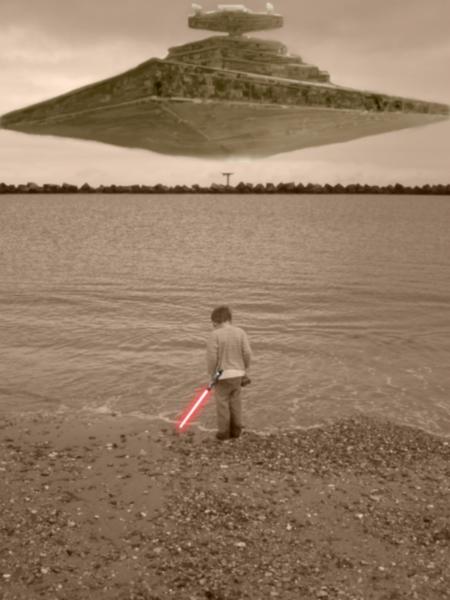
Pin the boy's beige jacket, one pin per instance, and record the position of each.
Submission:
(228, 348)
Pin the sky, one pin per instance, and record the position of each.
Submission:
(48, 47)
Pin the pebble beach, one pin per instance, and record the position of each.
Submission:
(113, 507)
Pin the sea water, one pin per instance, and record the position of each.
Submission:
(105, 303)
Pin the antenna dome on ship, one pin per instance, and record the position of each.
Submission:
(270, 8)
(197, 8)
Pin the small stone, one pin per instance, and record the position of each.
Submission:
(240, 544)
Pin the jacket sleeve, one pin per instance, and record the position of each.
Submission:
(212, 354)
(246, 351)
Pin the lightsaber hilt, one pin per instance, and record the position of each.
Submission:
(215, 378)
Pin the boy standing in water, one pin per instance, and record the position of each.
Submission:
(228, 349)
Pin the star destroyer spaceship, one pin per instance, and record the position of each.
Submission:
(227, 95)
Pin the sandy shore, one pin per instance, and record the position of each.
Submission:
(110, 507)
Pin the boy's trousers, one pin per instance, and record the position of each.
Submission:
(229, 407)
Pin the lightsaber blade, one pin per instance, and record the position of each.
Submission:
(194, 407)
(200, 399)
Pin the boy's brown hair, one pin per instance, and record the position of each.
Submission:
(221, 314)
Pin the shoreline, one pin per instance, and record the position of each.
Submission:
(431, 189)
(197, 427)
(116, 507)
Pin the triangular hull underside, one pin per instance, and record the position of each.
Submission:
(216, 128)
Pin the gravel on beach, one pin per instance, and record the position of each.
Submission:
(110, 507)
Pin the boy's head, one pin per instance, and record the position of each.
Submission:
(220, 315)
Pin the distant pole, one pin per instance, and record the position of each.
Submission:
(228, 175)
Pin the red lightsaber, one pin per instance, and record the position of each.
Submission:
(197, 403)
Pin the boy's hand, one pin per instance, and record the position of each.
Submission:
(245, 381)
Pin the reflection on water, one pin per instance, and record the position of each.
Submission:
(105, 302)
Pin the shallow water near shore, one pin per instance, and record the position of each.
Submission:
(105, 303)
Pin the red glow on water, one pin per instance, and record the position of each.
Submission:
(192, 409)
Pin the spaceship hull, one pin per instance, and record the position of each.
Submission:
(208, 128)
(223, 96)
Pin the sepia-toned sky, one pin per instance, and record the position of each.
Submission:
(48, 47)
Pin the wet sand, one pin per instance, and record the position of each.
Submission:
(109, 507)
